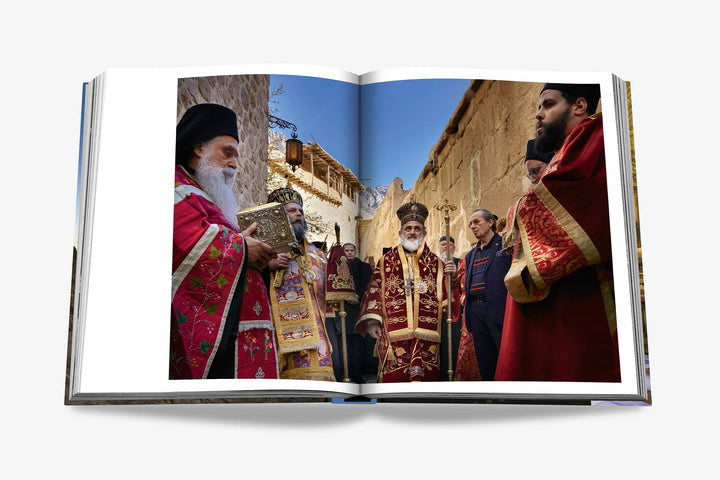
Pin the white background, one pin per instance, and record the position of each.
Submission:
(665, 49)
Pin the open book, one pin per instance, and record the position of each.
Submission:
(459, 145)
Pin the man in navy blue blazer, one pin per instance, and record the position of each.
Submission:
(485, 293)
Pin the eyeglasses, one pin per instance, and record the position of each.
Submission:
(535, 172)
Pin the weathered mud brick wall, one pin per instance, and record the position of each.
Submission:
(478, 162)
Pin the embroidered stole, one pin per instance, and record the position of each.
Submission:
(418, 288)
(291, 301)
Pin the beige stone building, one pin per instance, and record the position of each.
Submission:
(329, 191)
(478, 162)
(247, 95)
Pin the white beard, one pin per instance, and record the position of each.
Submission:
(443, 256)
(411, 245)
(217, 183)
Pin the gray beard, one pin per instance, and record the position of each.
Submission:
(300, 229)
(443, 256)
(217, 183)
(411, 245)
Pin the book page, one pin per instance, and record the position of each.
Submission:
(476, 160)
(126, 327)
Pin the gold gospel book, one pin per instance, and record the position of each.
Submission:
(273, 226)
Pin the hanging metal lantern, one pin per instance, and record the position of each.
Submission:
(293, 152)
(293, 146)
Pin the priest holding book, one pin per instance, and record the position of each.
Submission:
(297, 299)
(220, 317)
(402, 306)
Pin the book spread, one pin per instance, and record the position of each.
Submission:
(428, 235)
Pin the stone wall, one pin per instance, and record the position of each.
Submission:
(478, 162)
(247, 95)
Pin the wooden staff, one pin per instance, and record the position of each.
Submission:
(343, 314)
(448, 309)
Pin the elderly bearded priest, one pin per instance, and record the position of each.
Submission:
(220, 320)
(401, 307)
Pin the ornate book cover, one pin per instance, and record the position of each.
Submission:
(273, 226)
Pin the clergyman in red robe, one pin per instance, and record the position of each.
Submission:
(402, 306)
(560, 320)
(220, 325)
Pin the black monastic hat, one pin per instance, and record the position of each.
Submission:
(590, 92)
(442, 239)
(201, 123)
(532, 154)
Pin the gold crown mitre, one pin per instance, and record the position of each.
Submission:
(412, 211)
(284, 196)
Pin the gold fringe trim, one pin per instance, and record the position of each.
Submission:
(338, 296)
(299, 347)
(399, 335)
(324, 374)
(427, 335)
(244, 326)
(313, 372)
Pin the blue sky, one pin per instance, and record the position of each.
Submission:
(402, 120)
(324, 111)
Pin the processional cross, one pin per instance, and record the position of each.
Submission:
(448, 315)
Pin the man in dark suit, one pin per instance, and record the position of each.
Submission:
(485, 293)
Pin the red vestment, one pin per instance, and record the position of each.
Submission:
(405, 295)
(466, 367)
(560, 314)
(215, 291)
